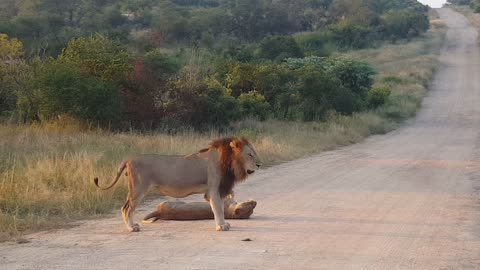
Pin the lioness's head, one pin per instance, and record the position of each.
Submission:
(245, 155)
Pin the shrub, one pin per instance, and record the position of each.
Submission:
(241, 77)
(461, 2)
(278, 48)
(253, 104)
(405, 24)
(204, 104)
(63, 89)
(318, 43)
(475, 5)
(162, 64)
(348, 35)
(219, 106)
(312, 61)
(10, 52)
(355, 75)
(97, 56)
(241, 53)
(318, 89)
(345, 102)
(378, 95)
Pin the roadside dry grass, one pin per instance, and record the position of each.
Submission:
(406, 68)
(46, 170)
(46, 173)
(473, 18)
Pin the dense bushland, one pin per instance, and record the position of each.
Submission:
(474, 4)
(46, 26)
(170, 63)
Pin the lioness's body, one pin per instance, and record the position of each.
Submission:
(212, 171)
(176, 210)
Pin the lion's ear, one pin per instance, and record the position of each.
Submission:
(236, 144)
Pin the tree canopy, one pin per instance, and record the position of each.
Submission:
(194, 62)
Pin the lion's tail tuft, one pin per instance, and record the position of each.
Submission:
(95, 180)
(119, 173)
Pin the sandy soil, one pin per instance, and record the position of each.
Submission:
(405, 200)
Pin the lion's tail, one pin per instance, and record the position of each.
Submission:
(119, 173)
(152, 217)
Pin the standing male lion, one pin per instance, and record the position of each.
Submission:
(212, 171)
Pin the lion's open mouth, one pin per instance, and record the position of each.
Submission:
(250, 171)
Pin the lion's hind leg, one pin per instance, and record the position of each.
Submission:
(127, 215)
(126, 212)
(128, 208)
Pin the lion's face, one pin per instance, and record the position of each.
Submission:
(251, 160)
(245, 155)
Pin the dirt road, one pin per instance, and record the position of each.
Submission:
(406, 200)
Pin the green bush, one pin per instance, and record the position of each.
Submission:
(310, 61)
(475, 5)
(278, 48)
(64, 89)
(162, 64)
(11, 49)
(203, 105)
(355, 75)
(241, 53)
(405, 24)
(345, 102)
(241, 77)
(348, 35)
(461, 2)
(378, 95)
(98, 56)
(307, 87)
(318, 43)
(318, 89)
(253, 104)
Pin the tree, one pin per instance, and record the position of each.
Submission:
(98, 56)
(349, 35)
(207, 104)
(26, 78)
(405, 24)
(279, 47)
(147, 91)
(317, 90)
(63, 88)
(382, 6)
(247, 19)
(253, 104)
(355, 11)
(10, 52)
(354, 75)
(8, 9)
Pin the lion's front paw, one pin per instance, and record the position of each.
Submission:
(135, 228)
(224, 227)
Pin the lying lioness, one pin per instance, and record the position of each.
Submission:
(212, 171)
(176, 210)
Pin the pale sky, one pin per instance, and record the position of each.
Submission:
(433, 3)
